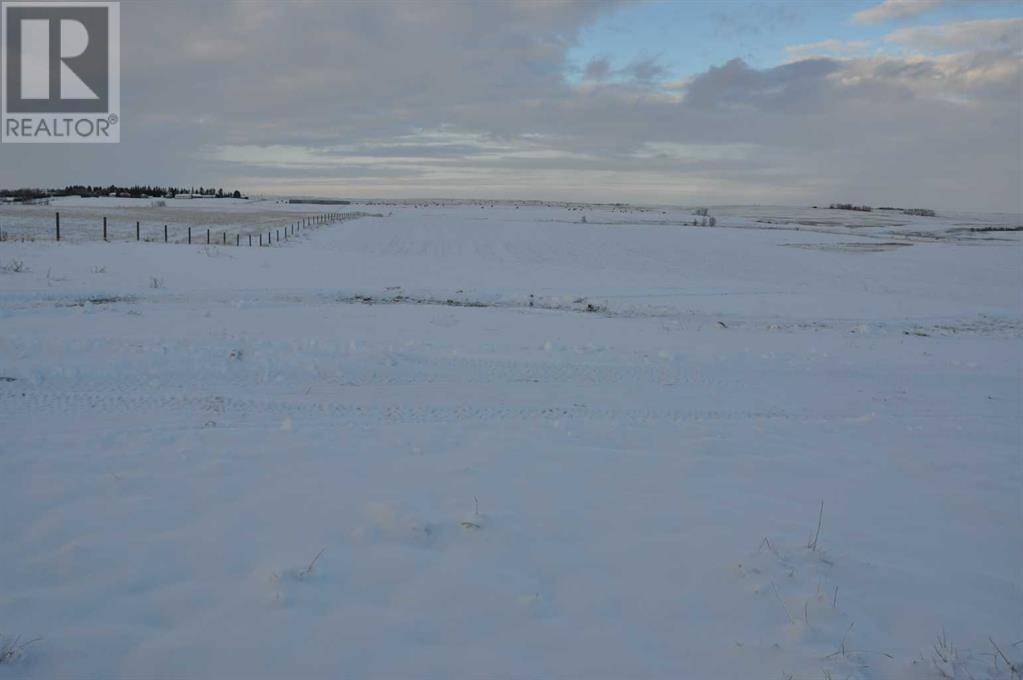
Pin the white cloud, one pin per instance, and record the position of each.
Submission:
(839, 49)
(984, 34)
(890, 10)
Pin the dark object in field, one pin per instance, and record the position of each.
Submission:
(986, 229)
(850, 206)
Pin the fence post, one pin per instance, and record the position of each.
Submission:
(250, 240)
(237, 240)
(165, 233)
(190, 236)
(207, 237)
(104, 229)
(225, 237)
(58, 226)
(278, 235)
(138, 232)
(260, 239)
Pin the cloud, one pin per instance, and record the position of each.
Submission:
(597, 69)
(839, 49)
(891, 10)
(646, 70)
(738, 87)
(984, 34)
(481, 99)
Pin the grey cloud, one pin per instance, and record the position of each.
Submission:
(646, 70)
(737, 85)
(407, 98)
(597, 69)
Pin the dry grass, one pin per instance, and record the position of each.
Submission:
(309, 569)
(13, 649)
(14, 267)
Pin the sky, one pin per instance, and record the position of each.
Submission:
(911, 103)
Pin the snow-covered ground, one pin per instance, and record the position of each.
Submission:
(474, 439)
(81, 219)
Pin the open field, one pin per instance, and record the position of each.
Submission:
(81, 219)
(475, 439)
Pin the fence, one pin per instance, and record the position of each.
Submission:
(264, 237)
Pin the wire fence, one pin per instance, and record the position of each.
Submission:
(123, 230)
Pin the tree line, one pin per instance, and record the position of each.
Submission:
(134, 191)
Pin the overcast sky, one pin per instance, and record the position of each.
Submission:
(901, 102)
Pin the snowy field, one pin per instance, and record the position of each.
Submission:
(468, 440)
(81, 219)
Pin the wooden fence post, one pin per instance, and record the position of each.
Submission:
(165, 233)
(237, 240)
(104, 229)
(225, 238)
(58, 226)
(250, 240)
(207, 237)
(190, 236)
(138, 231)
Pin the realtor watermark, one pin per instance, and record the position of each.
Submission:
(61, 72)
